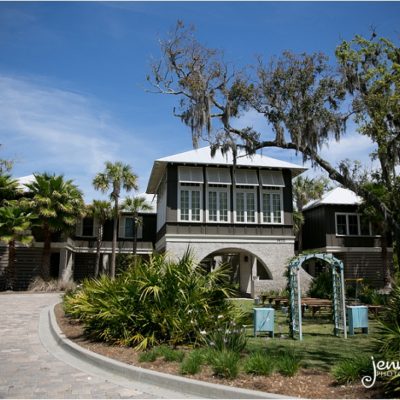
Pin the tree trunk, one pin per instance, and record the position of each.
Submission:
(300, 242)
(98, 247)
(114, 241)
(45, 269)
(10, 274)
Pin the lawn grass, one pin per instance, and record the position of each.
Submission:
(320, 349)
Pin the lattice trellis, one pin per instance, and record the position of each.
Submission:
(338, 300)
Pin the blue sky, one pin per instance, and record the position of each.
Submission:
(73, 74)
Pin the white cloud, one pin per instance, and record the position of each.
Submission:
(48, 129)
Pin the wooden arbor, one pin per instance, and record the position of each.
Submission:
(338, 301)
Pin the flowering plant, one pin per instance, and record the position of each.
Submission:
(225, 335)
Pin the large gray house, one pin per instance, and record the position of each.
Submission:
(239, 214)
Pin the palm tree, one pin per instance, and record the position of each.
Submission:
(15, 223)
(116, 176)
(101, 211)
(9, 189)
(58, 203)
(135, 205)
(305, 190)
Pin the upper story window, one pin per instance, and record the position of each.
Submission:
(352, 224)
(271, 202)
(271, 196)
(86, 227)
(218, 194)
(127, 227)
(218, 203)
(190, 194)
(245, 204)
(246, 196)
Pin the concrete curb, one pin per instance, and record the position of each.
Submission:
(170, 382)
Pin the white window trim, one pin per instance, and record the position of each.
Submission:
(190, 188)
(218, 189)
(347, 225)
(121, 232)
(269, 191)
(251, 189)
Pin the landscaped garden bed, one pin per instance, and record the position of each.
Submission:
(319, 351)
(178, 318)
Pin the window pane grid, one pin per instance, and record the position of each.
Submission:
(271, 208)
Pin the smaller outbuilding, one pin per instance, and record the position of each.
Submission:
(335, 225)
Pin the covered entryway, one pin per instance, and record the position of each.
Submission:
(247, 270)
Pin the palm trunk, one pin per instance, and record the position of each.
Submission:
(98, 247)
(114, 241)
(10, 274)
(45, 269)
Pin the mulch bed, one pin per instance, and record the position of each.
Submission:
(307, 383)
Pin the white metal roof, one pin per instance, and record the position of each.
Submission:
(23, 180)
(202, 156)
(338, 195)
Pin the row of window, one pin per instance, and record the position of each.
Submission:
(190, 207)
(352, 224)
(88, 228)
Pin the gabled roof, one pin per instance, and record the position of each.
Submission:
(23, 180)
(339, 196)
(202, 156)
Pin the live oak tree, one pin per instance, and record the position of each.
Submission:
(304, 100)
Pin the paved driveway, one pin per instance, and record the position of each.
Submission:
(28, 370)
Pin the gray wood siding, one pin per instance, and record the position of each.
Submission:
(172, 193)
(27, 266)
(319, 229)
(83, 266)
(229, 229)
(3, 266)
(314, 228)
(363, 265)
(345, 241)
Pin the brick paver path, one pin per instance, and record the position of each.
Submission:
(28, 370)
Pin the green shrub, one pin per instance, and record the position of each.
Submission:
(287, 362)
(225, 364)
(259, 363)
(353, 369)
(155, 302)
(170, 354)
(148, 356)
(192, 363)
(389, 340)
(321, 286)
